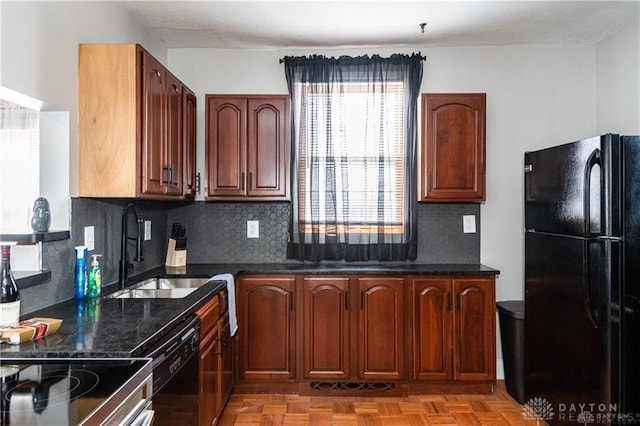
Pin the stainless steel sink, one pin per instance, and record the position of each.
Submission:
(155, 288)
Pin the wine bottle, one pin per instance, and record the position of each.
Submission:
(10, 296)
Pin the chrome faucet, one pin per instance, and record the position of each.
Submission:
(125, 265)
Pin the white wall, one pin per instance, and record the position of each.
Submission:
(618, 82)
(535, 98)
(39, 55)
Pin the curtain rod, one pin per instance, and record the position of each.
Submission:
(424, 58)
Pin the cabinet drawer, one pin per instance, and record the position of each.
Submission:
(209, 314)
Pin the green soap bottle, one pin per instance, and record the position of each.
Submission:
(95, 277)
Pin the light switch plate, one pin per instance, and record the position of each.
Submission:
(147, 230)
(89, 238)
(253, 229)
(469, 223)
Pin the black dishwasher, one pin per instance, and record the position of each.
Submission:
(175, 375)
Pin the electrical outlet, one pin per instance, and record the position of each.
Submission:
(89, 238)
(253, 229)
(147, 230)
(469, 224)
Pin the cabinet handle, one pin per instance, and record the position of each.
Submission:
(449, 296)
(250, 181)
(198, 182)
(168, 169)
(242, 180)
(158, 73)
(291, 301)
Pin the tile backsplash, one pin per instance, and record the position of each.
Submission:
(217, 233)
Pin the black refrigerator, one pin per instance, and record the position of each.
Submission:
(582, 281)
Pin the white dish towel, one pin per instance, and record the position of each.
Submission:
(231, 291)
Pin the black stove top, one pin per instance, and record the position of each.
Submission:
(60, 391)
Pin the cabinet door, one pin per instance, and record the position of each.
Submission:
(226, 145)
(153, 125)
(326, 327)
(267, 147)
(474, 329)
(209, 407)
(267, 328)
(381, 328)
(226, 362)
(172, 164)
(432, 329)
(189, 144)
(453, 147)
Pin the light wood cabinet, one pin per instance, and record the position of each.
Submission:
(247, 147)
(453, 147)
(267, 324)
(131, 113)
(454, 328)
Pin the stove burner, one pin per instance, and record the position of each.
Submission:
(80, 382)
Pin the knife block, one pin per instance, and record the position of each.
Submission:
(177, 252)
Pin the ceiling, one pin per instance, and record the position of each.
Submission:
(337, 24)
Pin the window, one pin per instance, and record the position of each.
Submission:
(368, 158)
(19, 174)
(354, 138)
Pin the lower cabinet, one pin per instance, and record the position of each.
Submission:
(216, 359)
(326, 332)
(209, 407)
(355, 332)
(380, 328)
(453, 328)
(267, 325)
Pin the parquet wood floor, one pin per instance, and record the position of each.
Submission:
(270, 409)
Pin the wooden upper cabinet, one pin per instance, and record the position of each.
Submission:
(130, 124)
(189, 147)
(381, 328)
(326, 327)
(453, 147)
(247, 147)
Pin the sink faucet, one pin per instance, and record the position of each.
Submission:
(125, 265)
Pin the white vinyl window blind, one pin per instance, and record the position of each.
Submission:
(352, 154)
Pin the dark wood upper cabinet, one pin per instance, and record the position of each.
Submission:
(189, 144)
(453, 147)
(247, 147)
(381, 328)
(172, 166)
(326, 341)
(153, 129)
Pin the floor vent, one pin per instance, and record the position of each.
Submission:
(353, 386)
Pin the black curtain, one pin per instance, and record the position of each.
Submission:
(343, 178)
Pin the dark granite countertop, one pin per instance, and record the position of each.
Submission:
(121, 328)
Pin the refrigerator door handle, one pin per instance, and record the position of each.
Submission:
(594, 159)
(587, 286)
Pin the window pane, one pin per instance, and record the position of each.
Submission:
(20, 171)
(352, 156)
